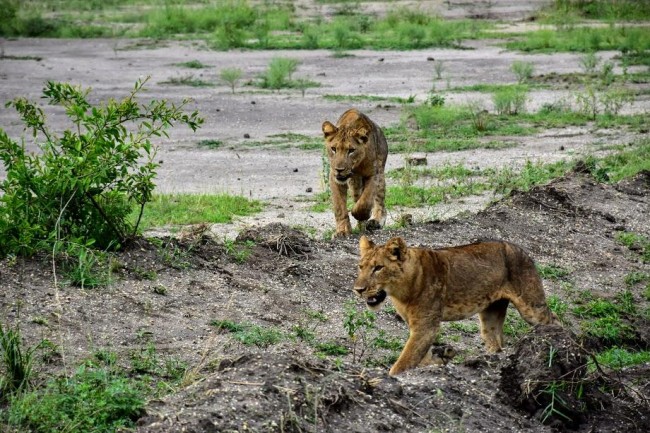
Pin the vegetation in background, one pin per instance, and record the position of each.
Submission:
(180, 209)
(187, 80)
(231, 76)
(83, 186)
(599, 9)
(279, 75)
(192, 64)
(632, 42)
(16, 363)
(233, 24)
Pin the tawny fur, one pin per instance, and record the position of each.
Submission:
(357, 152)
(429, 286)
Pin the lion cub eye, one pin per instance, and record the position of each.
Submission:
(377, 268)
(333, 149)
(351, 151)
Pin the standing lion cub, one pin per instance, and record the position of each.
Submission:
(429, 286)
(357, 152)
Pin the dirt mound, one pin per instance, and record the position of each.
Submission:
(548, 377)
(543, 375)
(172, 291)
(295, 393)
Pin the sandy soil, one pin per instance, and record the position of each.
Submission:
(281, 176)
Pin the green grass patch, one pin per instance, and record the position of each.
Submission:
(192, 64)
(187, 80)
(210, 143)
(236, 24)
(634, 278)
(602, 318)
(384, 341)
(331, 348)
(508, 179)
(558, 306)
(369, 98)
(552, 272)
(464, 327)
(416, 196)
(608, 10)
(623, 164)
(514, 325)
(633, 42)
(491, 87)
(635, 242)
(179, 209)
(250, 334)
(618, 358)
(92, 400)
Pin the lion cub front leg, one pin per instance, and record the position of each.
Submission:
(363, 192)
(339, 203)
(416, 349)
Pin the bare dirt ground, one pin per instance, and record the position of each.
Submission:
(168, 293)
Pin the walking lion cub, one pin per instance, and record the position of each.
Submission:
(357, 152)
(429, 286)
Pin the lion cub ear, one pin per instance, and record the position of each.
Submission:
(397, 247)
(329, 129)
(365, 245)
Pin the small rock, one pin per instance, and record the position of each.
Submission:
(309, 189)
(247, 135)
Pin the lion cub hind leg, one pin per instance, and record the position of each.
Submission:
(491, 320)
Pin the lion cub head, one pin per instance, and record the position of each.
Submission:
(346, 147)
(380, 270)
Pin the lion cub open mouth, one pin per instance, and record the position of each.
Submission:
(429, 286)
(373, 301)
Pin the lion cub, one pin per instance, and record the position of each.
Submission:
(429, 286)
(357, 152)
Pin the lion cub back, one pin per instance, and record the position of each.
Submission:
(482, 273)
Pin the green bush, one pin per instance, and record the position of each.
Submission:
(15, 362)
(278, 75)
(93, 400)
(523, 71)
(510, 100)
(83, 184)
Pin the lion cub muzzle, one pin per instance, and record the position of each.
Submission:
(341, 177)
(373, 301)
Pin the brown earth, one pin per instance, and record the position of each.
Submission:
(290, 280)
(166, 292)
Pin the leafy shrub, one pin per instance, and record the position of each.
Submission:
(93, 400)
(84, 182)
(231, 76)
(16, 362)
(523, 70)
(510, 100)
(278, 75)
